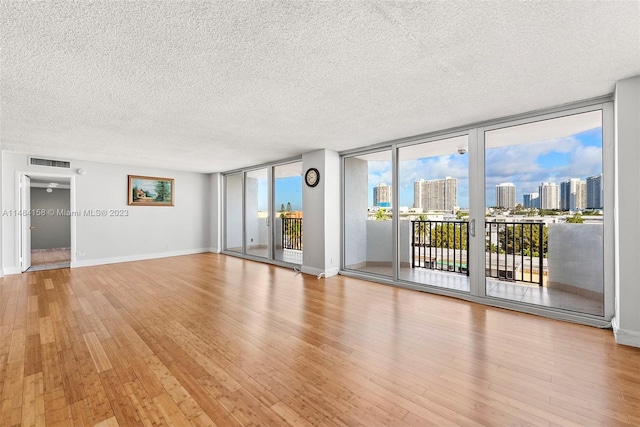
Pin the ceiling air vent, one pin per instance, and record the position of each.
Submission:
(34, 161)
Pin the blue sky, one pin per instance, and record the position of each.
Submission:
(289, 190)
(528, 165)
(525, 165)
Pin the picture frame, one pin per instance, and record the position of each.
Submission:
(150, 191)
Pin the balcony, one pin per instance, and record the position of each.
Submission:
(555, 265)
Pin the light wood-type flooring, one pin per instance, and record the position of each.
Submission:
(215, 340)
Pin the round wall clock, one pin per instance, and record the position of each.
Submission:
(312, 177)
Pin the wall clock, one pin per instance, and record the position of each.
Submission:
(312, 177)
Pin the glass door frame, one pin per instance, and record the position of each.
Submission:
(477, 196)
(478, 287)
(270, 258)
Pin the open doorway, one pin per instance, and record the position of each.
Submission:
(50, 223)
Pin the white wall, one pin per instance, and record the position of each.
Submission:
(321, 207)
(50, 231)
(146, 232)
(378, 243)
(626, 324)
(355, 221)
(576, 256)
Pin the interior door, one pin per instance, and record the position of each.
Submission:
(25, 222)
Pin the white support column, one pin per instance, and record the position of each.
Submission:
(626, 323)
(321, 210)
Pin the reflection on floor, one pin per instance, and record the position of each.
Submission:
(285, 255)
(49, 259)
(530, 294)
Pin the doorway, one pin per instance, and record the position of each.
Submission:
(46, 225)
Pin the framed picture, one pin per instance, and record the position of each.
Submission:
(150, 191)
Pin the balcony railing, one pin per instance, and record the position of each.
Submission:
(516, 251)
(440, 245)
(292, 233)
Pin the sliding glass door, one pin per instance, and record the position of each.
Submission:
(287, 213)
(515, 213)
(433, 232)
(233, 213)
(256, 218)
(368, 237)
(263, 213)
(546, 213)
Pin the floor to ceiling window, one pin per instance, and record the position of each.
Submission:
(233, 212)
(256, 217)
(545, 213)
(513, 213)
(368, 236)
(287, 213)
(263, 213)
(433, 182)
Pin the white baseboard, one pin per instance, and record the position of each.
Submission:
(625, 336)
(11, 270)
(319, 272)
(214, 250)
(129, 258)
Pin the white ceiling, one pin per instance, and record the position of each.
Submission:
(214, 86)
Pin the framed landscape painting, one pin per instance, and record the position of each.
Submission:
(150, 191)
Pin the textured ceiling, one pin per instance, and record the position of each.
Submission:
(214, 86)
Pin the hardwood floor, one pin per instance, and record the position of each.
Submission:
(215, 340)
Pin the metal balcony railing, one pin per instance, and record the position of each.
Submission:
(516, 251)
(440, 245)
(292, 233)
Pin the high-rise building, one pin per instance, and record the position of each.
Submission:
(506, 195)
(572, 194)
(436, 194)
(382, 195)
(583, 195)
(549, 195)
(594, 192)
(531, 200)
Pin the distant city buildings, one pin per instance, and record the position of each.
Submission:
(594, 192)
(436, 194)
(549, 195)
(382, 195)
(531, 200)
(573, 194)
(506, 195)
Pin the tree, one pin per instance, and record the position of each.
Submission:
(282, 207)
(452, 235)
(288, 206)
(523, 239)
(163, 191)
(381, 215)
(575, 219)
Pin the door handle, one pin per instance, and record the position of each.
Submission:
(472, 228)
(267, 220)
(31, 227)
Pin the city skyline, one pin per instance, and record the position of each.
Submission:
(578, 156)
(527, 166)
